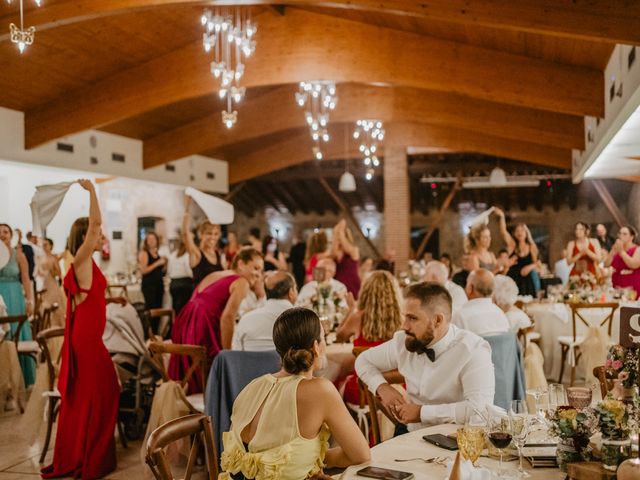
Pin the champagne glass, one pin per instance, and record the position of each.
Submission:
(499, 433)
(520, 425)
(536, 393)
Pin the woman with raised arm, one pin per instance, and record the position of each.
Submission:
(89, 390)
(523, 255)
(281, 423)
(152, 267)
(583, 252)
(347, 255)
(204, 258)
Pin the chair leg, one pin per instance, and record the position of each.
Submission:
(565, 350)
(50, 419)
(123, 439)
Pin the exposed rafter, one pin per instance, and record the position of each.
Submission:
(614, 21)
(362, 101)
(326, 47)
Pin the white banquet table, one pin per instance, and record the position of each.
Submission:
(553, 320)
(412, 445)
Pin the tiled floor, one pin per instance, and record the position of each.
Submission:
(20, 461)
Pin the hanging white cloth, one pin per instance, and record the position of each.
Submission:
(45, 204)
(217, 210)
(482, 218)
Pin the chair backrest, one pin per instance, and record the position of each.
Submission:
(161, 313)
(42, 318)
(15, 336)
(230, 373)
(576, 315)
(605, 384)
(522, 337)
(43, 338)
(197, 360)
(196, 426)
(508, 370)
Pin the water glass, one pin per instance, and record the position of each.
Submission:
(520, 426)
(536, 393)
(557, 396)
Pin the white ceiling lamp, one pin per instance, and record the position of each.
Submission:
(498, 179)
(347, 180)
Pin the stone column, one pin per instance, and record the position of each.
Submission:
(397, 204)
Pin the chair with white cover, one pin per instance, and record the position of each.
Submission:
(570, 344)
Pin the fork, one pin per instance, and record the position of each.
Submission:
(425, 460)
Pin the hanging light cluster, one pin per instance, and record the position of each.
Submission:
(20, 36)
(371, 134)
(231, 38)
(318, 98)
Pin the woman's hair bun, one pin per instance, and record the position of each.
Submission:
(296, 361)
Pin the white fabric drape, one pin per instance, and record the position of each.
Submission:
(217, 210)
(45, 204)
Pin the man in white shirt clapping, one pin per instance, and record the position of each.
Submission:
(254, 332)
(480, 315)
(445, 368)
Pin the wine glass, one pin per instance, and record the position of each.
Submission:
(536, 393)
(499, 433)
(471, 437)
(557, 396)
(520, 425)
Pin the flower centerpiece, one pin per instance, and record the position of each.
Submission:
(621, 367)
(613, 420)
(574, 428)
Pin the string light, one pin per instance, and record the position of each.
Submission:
(318, 98)
(371, 134)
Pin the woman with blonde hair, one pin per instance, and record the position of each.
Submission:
(204, 258)
(376, 319)
(347, 256)
(477, 243)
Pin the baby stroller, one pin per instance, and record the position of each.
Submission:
(137, 372)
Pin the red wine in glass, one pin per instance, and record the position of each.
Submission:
(500, 440)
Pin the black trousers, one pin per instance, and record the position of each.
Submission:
(181, 290)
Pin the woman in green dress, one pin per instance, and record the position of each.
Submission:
(15, 286)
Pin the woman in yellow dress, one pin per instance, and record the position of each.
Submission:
(281, 422)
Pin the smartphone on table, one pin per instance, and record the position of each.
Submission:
(442, 441)
(384, 473)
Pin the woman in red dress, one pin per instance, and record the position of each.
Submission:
(583, 252)
(625, 260)
(210, 316)
(347, 257)
(376, 319)
(85, 446)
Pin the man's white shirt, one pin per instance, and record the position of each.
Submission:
(311, 289)
(254, 332)
(482, 317)
(458, 295)
(462, 372)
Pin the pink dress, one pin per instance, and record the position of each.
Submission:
(623, 276)
(347, 273)
(199, 324)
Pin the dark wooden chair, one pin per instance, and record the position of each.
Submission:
(26, 348)
(197, 427)
(160, 314)
(573, 342)
(53, 395)
(605, 384)
(198, 366)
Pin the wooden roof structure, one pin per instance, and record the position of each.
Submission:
(506, 78)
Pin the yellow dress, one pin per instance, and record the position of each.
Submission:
(277, 450)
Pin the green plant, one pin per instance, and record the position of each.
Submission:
(613, 419)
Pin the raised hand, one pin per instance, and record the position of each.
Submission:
(86, 184)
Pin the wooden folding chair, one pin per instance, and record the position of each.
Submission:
(198, 366)
(570, 344)
(605, 384)
(53, 395)
(28, 348)
(198, 427)
(160, 314)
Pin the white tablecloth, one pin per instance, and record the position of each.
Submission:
(412, 445)
(553, 320)
(340, 361)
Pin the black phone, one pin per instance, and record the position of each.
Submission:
(442, 441)
(384, 473)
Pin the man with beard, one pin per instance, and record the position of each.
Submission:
(445, 368)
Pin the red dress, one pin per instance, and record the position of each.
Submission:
(347, 273)
(623, 276)
(85, 447)
(584, 263)
(199, 324)
(351, 390)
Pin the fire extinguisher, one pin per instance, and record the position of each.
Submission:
(106, 249)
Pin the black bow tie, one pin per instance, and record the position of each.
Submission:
(430, 353)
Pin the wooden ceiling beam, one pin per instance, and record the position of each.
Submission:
(365, 101)
(332, 48)
(296, 148)
(614, 21)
